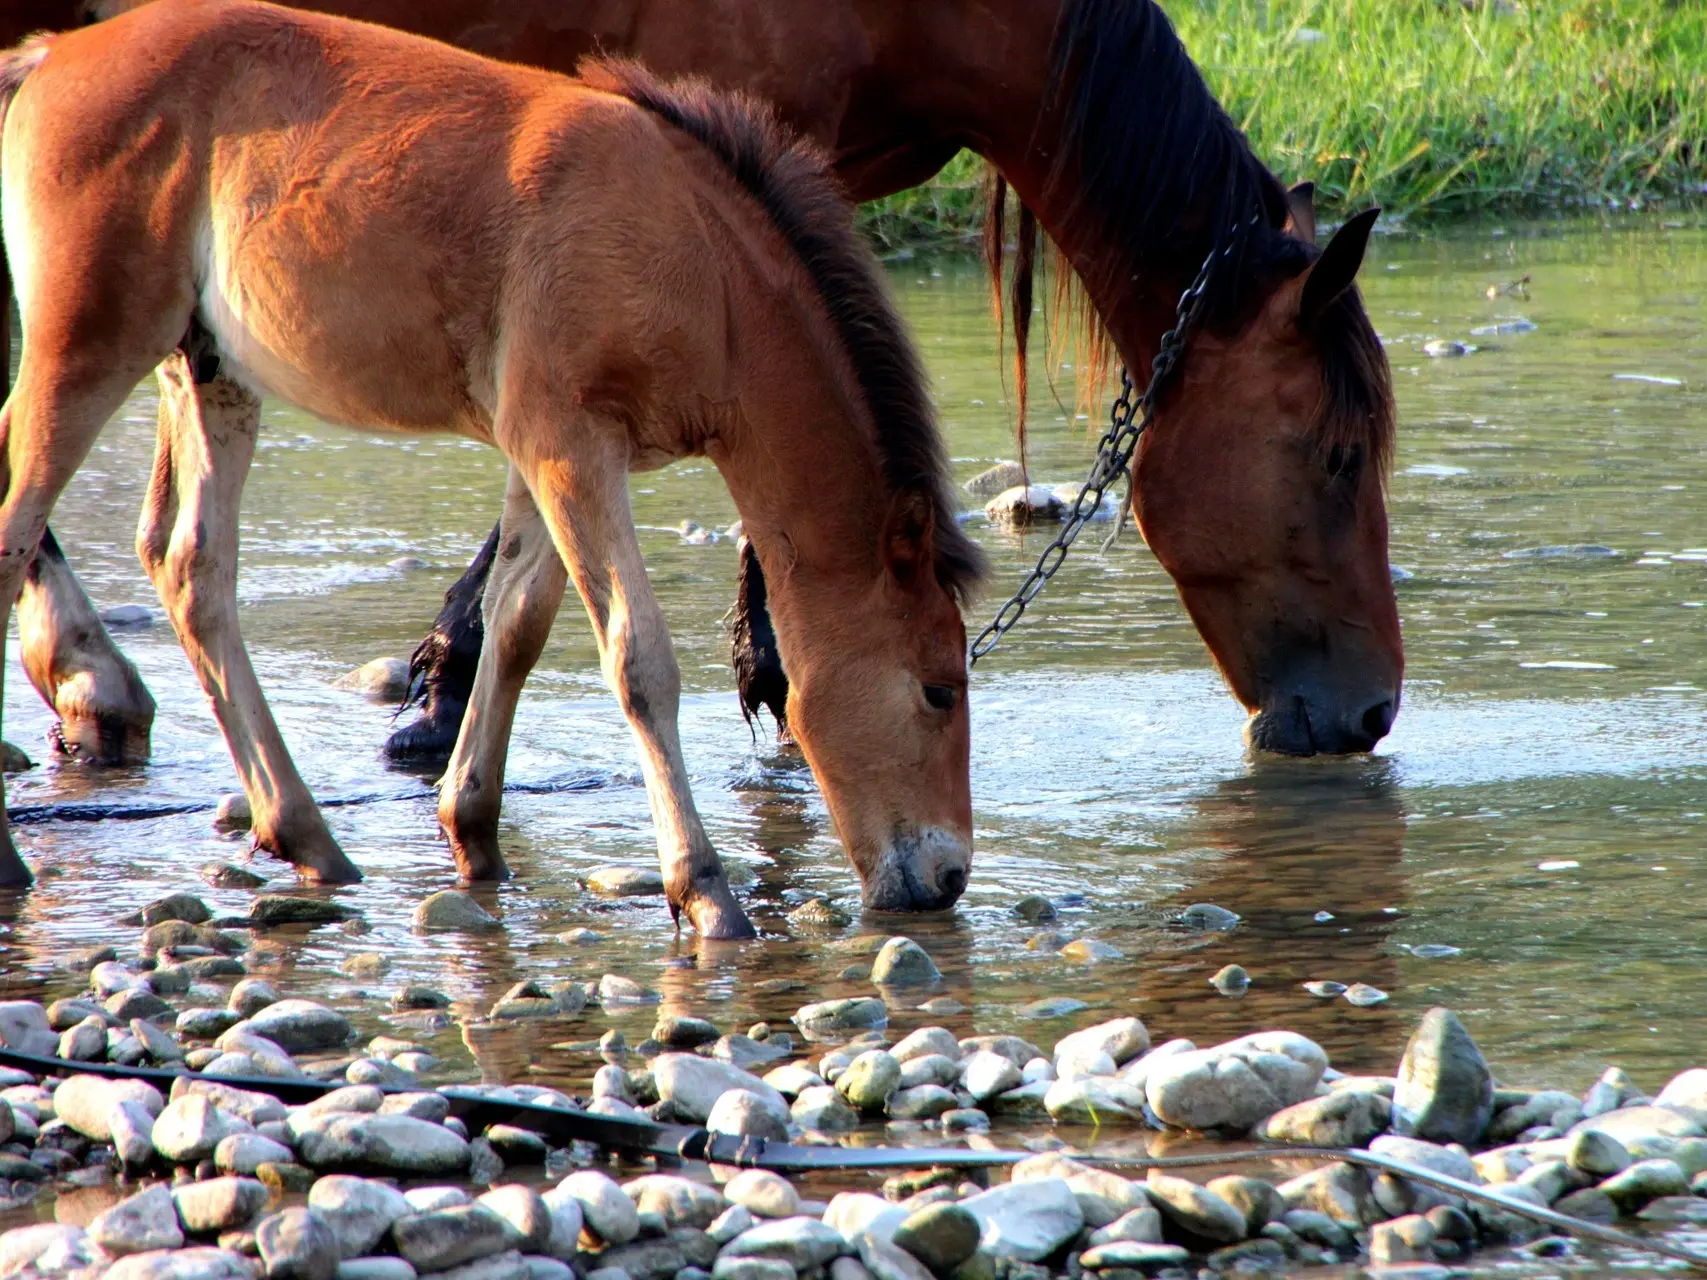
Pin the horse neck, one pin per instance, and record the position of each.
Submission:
(799, 458)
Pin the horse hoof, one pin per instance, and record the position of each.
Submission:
(14, 871)
(427, 741)
(719, 917)
(103, 742)
(325, 863)
(476, 864)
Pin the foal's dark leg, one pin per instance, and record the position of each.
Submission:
(441, 670)
(752, 647)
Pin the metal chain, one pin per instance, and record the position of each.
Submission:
(1114, 454)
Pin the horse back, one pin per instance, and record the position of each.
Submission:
(365, 220)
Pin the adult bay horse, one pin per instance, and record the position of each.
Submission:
(595, 276)
(1260, 488)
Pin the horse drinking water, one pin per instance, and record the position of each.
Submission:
(595, 277)
(1260, 489)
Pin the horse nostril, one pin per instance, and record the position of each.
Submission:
(952, 882)
(1379, 719)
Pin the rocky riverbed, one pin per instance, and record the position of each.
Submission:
(378, 1180)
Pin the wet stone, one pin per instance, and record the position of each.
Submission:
(626, 882)
(1090, 951)
(819, 913)
(830, 1016)
(801, 1242)
(279, 908)
(1347, 1118)
(145, 1221)
(176, 906)
(452, 910)
(1231, 980)
(1445, 1090)
(616, 989)
(741, 1112)
(224, 875)
(869, 1080)
(606, 1209)
(219, 1204)
(297, 1244)
(298, 1025)
(903, 962)
(997, 479)
(1051, 1007)
(941, 1236)
(675, 1032)
(694, 1084)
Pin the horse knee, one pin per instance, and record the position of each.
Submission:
(643, 672)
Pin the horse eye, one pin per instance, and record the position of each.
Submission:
(1344, 463)
(940, 696)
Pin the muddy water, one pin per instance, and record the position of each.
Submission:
(1541, 805)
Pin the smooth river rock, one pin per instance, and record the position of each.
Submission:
(359, 1210)
(1445, 1091)
(145, 1221)
(1026, 1220)
(694, 1085)
(446, 1238)
(297, 1244)
(1234, 1085)
(903, 962)
(86, 1102)
(219, 1204)
(394, 1143)
(298, 1025)
(606, 1209)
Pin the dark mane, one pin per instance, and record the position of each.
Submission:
(1149, 165)
(792, 181)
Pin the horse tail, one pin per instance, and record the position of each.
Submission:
(1022, 290)
(15, 67)
(752, 646)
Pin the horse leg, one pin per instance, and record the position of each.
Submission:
(584, 501)
(46, 427)
(188, 543)
(521, 598)
(105, 711)
(444, 664)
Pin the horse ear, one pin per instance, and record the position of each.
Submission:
(1333, 273)
(909, 536)
(1301, 210)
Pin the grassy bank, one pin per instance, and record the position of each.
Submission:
(1433, 107)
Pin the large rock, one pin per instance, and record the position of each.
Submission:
(985, 1074)
(1026, 1220)
(1398, 1196)
(1094, 1100)
(856, 1213)
(694, 1084)
(148, 1220)
(925, 1042)
(1095, 1188)
(297, 1244)
(219, 1204)
(801, 1242)
(183, 1264)
(446, 1238)
(763, 1194)
(1686, 1089)
(1234, 1085)
(132, 1130)
(393, 1143)
(869, 1080)
(359, 1211)
(191, 1127)
(828, 1017)
(1445, 1091)
(566, 1223)
(680, 1202)
(941, 1236)
(738, 1112)
(1346, 1118)
(296, 1025)
(452, 910)
(526, 1212)
(1121, 1039)
(605, 1207)
(1634, 1125)
(85, 1103)
(825, 1110)
(44, 1248)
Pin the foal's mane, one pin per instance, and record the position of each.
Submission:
(1149, 166)
(792, 181)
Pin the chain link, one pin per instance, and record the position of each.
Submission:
(1114, 455)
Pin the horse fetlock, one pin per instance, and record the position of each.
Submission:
(105, 740)
(308, 845)
(477, 855)
(708, 903)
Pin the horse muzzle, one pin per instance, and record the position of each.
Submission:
(924, 870)
(1298, 723)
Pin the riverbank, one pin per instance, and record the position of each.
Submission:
(1427, 107)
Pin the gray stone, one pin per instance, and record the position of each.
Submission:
(626, 882)
(732, 1268)
(44, 1248)
(823, 1109)
(882, 1260)
(1027, 1100)
(830, 1016)
(1026, 1220)
(246, 1152)
(398, 1144)
(1231, 980)
(85, 1042)
(1121, 1039)
(132, 1133)
(941, 1236)
(1093, 1100)
(738, 1111)
(176, 906)
(147, 1220)
(1340, 1191)
(85, 1102)
(375, 1268)
(137, 1002)
(997, 479)
(191, 1127)
(182, 1264)
(1445, 1091)
(1257, 1200)
(606, 1209)
(282, 908)
(869, 1080)
(250, 996)
(648, 1258)
(922, 1102)
(526, 1212)
(747, 1053)
(1636, 1124)
(1596, 1153)
(801, 1242)
(1686, 1089)
(352, 1098)
(206, 1024)
(452, 910)
(1234, 1085)
(1134, 1255)
(1143, 1225)
(1195, 1209)
(566, 1222)
(985, 1074)
(247, 1104)
(160, 1046)
(1644, 1181)
(1398, 1196)
(297, 1244)
(927, 1042)
(680, 1202)
(694, 1084)
(677, 1032)
(614, 989)
(933, 1068)
(219, 1204)
(445, 1238)
(297, 1025)
(732, 1222)
(902, 962)
(762, 1193)
(1346, 1118)
(359, 1211)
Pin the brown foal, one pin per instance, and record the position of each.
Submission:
(596, 277)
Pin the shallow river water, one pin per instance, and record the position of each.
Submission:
(1541, 804)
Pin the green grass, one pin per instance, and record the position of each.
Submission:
(1433, 107)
